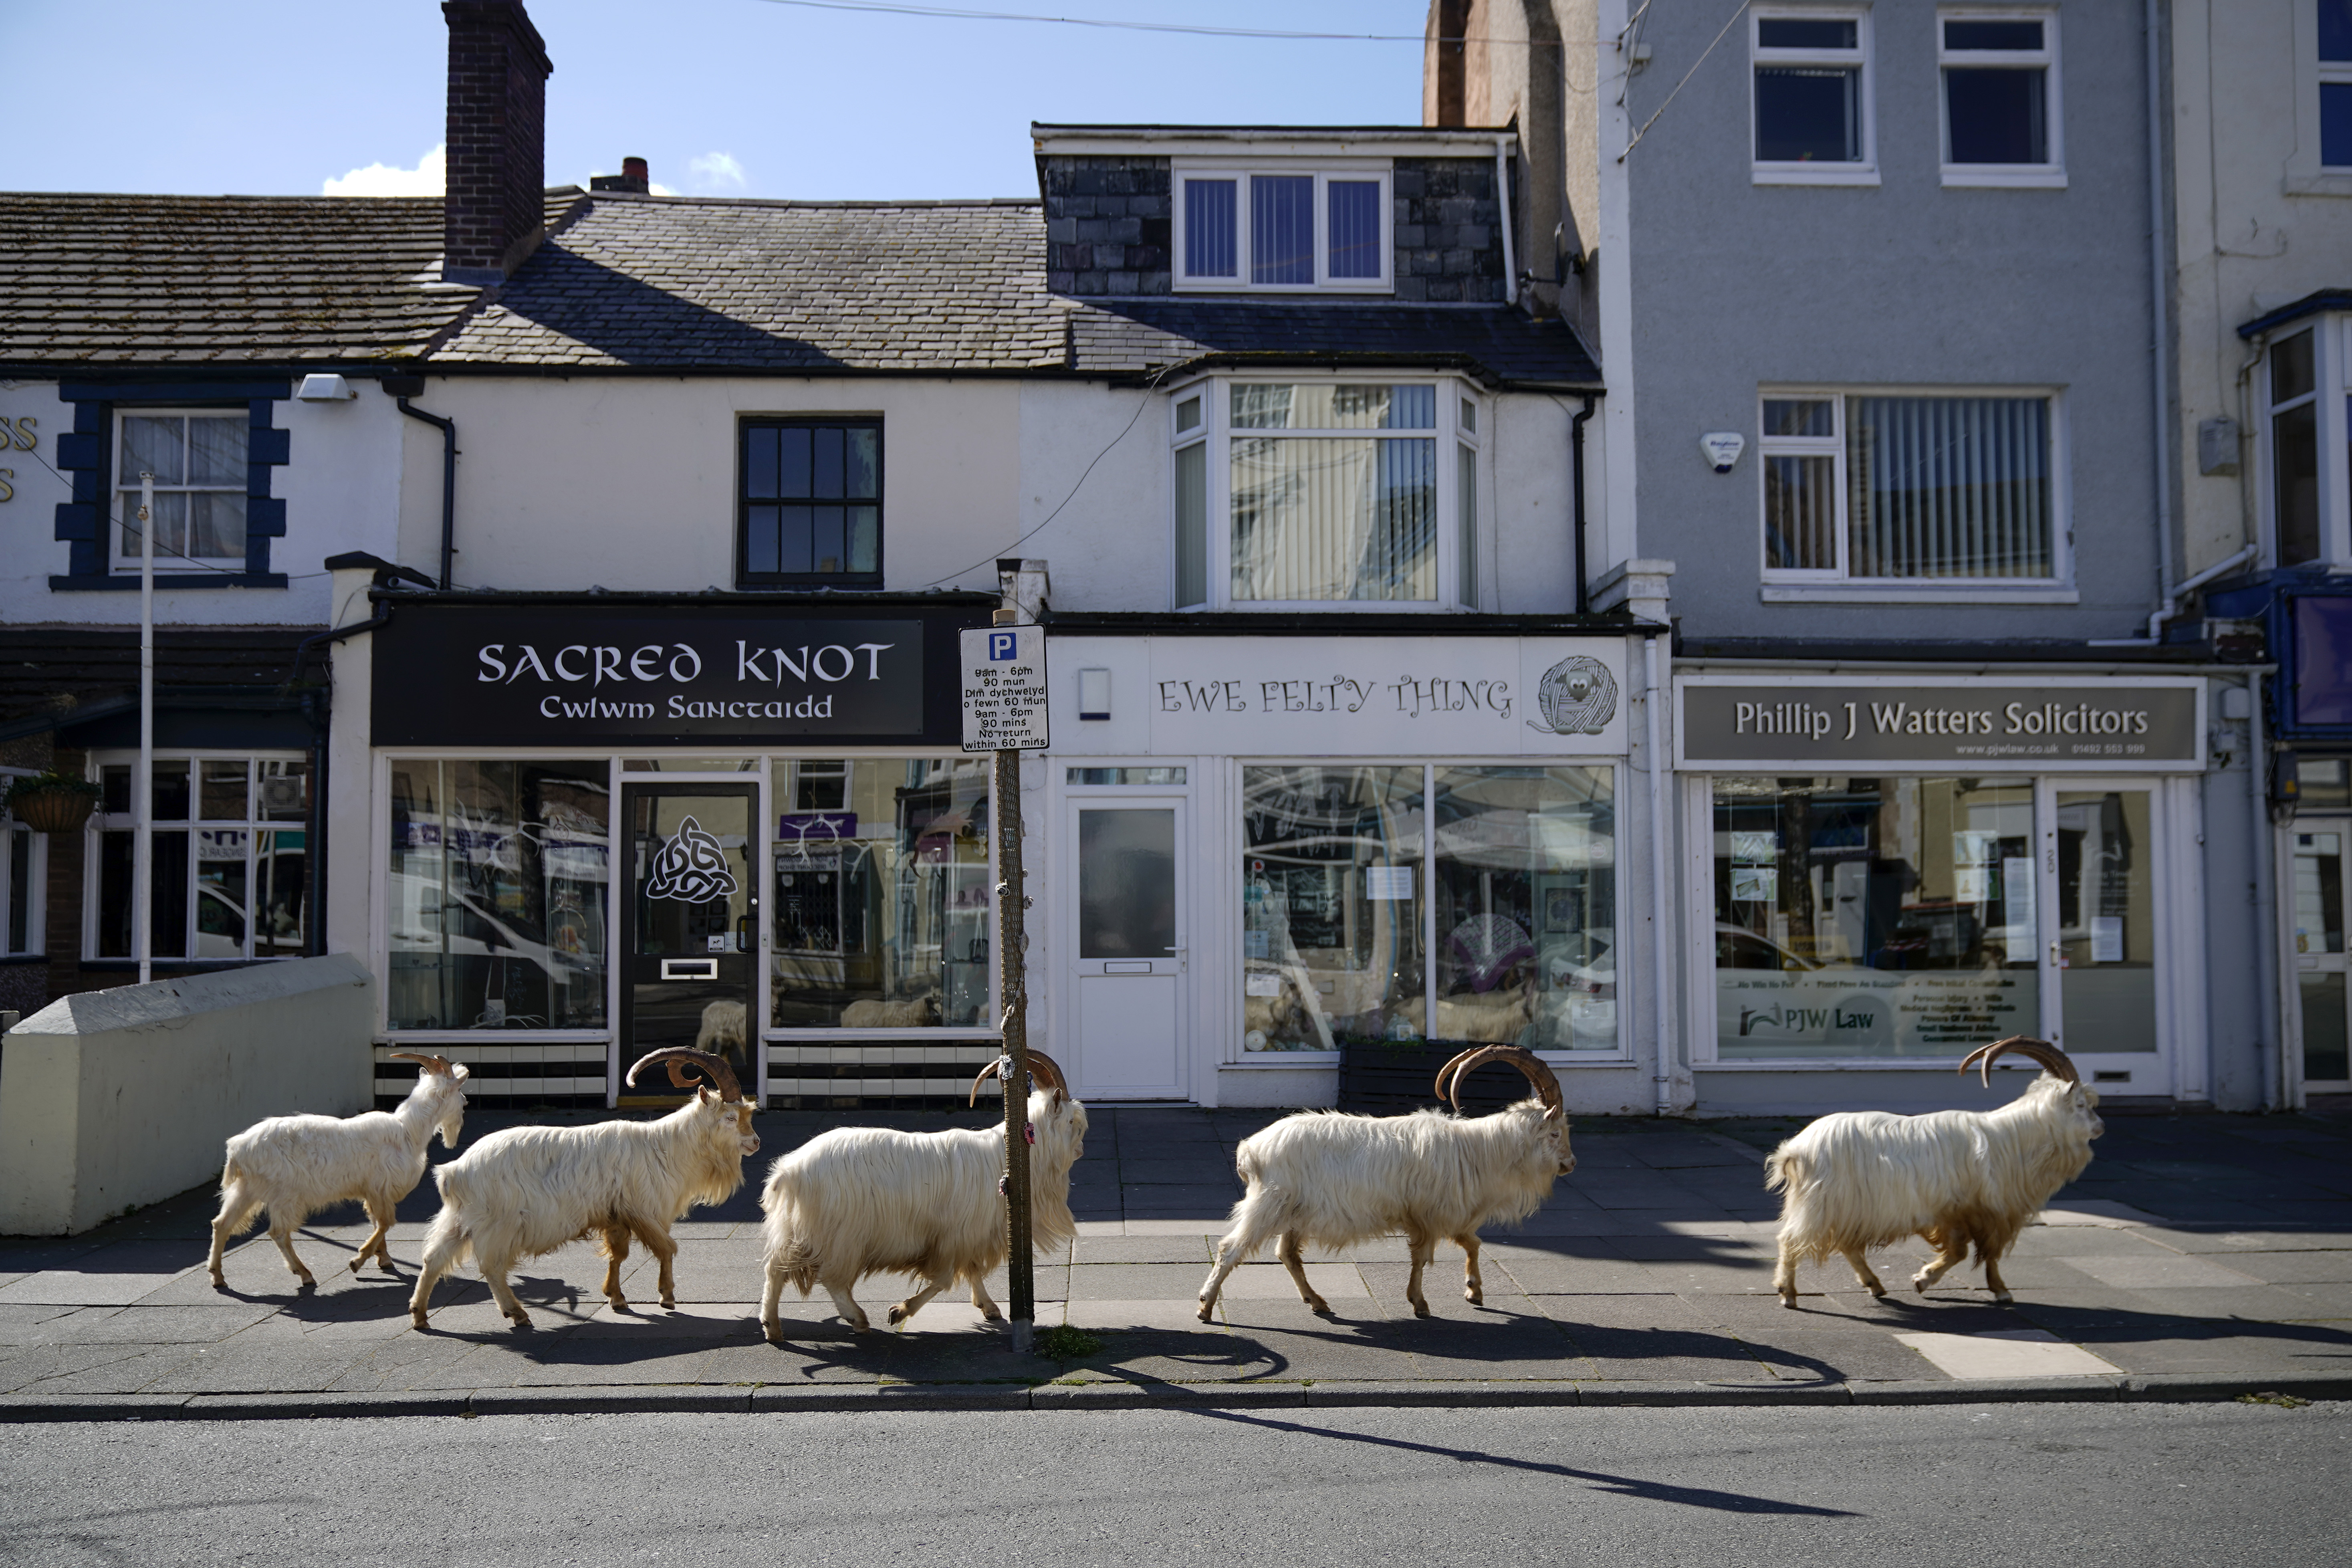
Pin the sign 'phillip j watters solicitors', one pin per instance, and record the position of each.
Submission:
(571, 674)
(1988, 725)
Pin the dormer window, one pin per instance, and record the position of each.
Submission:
(1282, 226)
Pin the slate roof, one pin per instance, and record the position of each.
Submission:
(161, 281)
(627, 281)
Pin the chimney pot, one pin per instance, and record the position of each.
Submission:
(632, 177)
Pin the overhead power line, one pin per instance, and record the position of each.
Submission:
(894, 9)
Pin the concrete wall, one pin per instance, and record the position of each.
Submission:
(114, 1099)
(1902, 283)
(2257, 227)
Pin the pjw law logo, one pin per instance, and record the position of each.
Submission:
(690, 867)
(1807, 1020)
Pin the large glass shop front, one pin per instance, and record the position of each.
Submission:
(718, 897)
(1866, 910)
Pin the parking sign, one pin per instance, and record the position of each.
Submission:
(1004, 690)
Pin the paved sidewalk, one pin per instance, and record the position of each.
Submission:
(2200, 1256)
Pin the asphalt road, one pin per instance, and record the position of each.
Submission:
(2014, 1484)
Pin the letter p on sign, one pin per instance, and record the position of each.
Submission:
(1003, 646)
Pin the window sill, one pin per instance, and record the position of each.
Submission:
(1235, 285)
(113, 584)
(1877, 594)
(863, 582)
(2338, 184)
(1967, 175)
(1843, 1064)
(1330, 606)
(1814, 175)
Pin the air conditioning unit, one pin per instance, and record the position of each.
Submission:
(282, 794)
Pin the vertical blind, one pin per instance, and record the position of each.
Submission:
(1947, 487)
(1334, 516)
(1209, 229)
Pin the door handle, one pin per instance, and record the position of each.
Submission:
(2056, 958)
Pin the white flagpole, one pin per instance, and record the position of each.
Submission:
(142, 866)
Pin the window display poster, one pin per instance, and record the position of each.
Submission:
(1388, 883)
(2106, 939)
(1755, 884)
(1841, 1011)
(2017, 896)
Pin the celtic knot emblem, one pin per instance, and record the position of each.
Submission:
(1578, 695)
(690, 867)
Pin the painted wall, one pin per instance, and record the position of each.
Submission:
(115, 1098)
(341, 492)
(1734, 284)
(2257, 227)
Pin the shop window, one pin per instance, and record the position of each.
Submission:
(880, 913)
(500, 894)
(2000, 76)
(811, 507)
(1868, 488)
(1873, 918)
(231, 860)
(1399, 903)
(1282, 229)
(1812, 94)
(1331, 493)
(198, 462)
(23, 879)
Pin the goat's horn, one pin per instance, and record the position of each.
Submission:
(684, 1060)
(1043, 1068)
(429, 1064)
(1447, 1071)
(2053, 1060)
(1546, 1086)
(984, 1075)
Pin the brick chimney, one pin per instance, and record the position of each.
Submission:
(494, 214)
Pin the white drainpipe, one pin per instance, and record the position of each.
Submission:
(1661, 923)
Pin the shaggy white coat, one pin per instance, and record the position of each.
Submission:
(1499, 1017)
(921, 1012)
(724, 1033)
(1328, 1179)
(1860, 1179)
(522, 1192)
(872, 1200)
(296, 1165)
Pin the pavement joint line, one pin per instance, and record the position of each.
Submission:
(1302, 1394)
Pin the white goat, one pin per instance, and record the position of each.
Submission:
(1860, 1179)
(296, 1165)
(872, 1200)
(522, 1192)
(1328, 1179)
(921, 1012)
(724, 1033)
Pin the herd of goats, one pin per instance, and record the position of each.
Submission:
(857, 1201)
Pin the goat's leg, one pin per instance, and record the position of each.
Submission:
(1424, 1247)
(851, 1312)
(1951, 1251)
(933, 1285)
(1254, 1221)
(1293, 1258)
(981, 1300)
(616, 1252)
(1474, 1284)
(236, 1214)
(1993, 1281)
(494, 1275)
(283, 1233)
(665, 1251)
(772, 1323)
(381, 1212)
(1784, 1273)
(1861, 1266)
(442, 1248)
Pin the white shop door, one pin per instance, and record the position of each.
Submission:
(1127, 947)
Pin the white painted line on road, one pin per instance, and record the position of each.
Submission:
(2007, 1352)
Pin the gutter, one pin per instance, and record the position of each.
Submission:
(1661, 837)
(2160, 301)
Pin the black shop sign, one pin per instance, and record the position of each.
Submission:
(531, 675)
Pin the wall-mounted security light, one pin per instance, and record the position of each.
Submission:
(324, 388)
(1722, 448)
(1093, 694)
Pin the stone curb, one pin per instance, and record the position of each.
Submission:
(2143, 1388)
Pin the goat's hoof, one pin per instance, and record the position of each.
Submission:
(897, 1314)
(772, 1332)
(1207, 1308)
(307, 1286)
(220, 1282)
(2002, 1297)
(1421, 1310)
(1473, 1296)
(669, 1303)
(359, 1263)
(416, 1320)
(522, 1325)
(1789, 1301)
(992, 1315)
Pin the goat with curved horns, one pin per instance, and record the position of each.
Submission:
(872, 1200)
(522, 1192)
(1328, 1179)
(1860, 1179)
(296, 1165)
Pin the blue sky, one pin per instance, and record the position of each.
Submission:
(724, 97)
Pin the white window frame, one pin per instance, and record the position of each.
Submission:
(2331, 387)
(2047, 176)
(1216, 429)
(1863, 172)
(1324, 172)
(121, 513)
(2306, 176)
(37, 874)
(1785, 585)
(252, 826)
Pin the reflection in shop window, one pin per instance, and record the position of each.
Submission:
(1331, 891)
(231, 867)
(1527, 908)
(880, 910)
(499, 887)
(1869, 917)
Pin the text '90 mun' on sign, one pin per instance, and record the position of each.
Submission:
(1004, 670)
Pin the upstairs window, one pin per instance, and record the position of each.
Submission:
(1327, 493)
(810, 510)
(198, 463)
(1867, 488)
(1811, 92)
(1285, 228)
(2000, 98)
(2335, 83)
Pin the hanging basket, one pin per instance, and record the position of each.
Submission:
(52, 809)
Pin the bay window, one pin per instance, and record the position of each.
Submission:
(1320, 493)
(1282, 227)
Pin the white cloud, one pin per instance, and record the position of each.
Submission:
(429, 178)
(713, 171)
